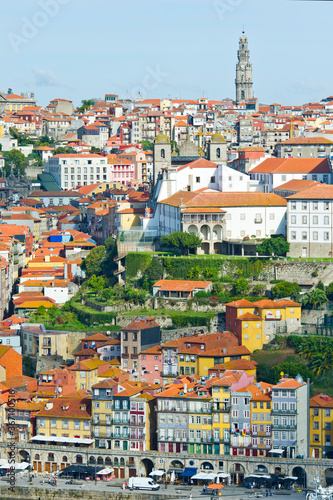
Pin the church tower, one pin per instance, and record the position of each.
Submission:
(243, 72)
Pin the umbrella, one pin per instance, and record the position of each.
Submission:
(214, 486)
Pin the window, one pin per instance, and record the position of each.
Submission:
(304, 235)
(304, 205)
(293, 205)
(293, 235)
(326, 236)
(315, 235)
(315, 205)
(293, 219)
(272, 216)
(304, 219)
(242, 216)
(315, 219)
(246, 325)
(212, 179)
(326, 205)
(197, 179)
(326, 219)
(327, 412)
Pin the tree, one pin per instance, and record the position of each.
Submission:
(329, 291)
(154, 271)
(320, 285)
(241, 286)
(95, 150)
(17, 159)
(85, 105)
(273, 246)
(147, 145)
(63, 151)
(285, 289)
(92, 264)
(314, 298)
(194, 273)
(182, 241)
(97, 283)
(174, 147)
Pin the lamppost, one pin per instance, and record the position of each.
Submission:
(30, 463)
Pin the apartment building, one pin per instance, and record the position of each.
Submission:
(71, 170)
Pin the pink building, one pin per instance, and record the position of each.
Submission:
(121, 170)
(151, 365)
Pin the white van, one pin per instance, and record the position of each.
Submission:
(142, 483)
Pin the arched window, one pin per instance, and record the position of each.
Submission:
(79, 459)
(108, 461)
(100, 461)
(122, 461)
(37, 457)
(243, 46)
(218, 153)
(64, 458)
(92, 460)
(243, 94)
(116, 460)
(162, 153)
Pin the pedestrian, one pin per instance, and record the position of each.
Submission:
(266, 493)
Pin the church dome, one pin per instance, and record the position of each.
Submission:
(217, 138)
(162, 139)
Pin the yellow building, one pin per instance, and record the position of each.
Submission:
(261, 418)
(200, 353)
(87, 372)
(129, 218)
(321, 426)
(254, 323)
(200, 430)
(65, 417)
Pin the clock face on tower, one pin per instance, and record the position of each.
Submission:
(242, 66)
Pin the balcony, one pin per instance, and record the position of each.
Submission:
(169, 374)
(125, 355)
(258, 221)
(134, 356)
(200, 410)
(137, 424)
(284, 412)
(284, 427)
(222, 408)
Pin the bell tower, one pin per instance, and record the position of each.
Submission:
(243, 80)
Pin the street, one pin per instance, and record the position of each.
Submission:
(183, 491)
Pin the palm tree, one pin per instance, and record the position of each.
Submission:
(314, 298)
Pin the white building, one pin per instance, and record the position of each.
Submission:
(273, 172)
(310, 222)
(71, 170)
(226, 222)
(203, 174)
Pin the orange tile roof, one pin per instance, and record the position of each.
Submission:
(321, 191)
(321, 401)
(181, 285)
(248, 317)
(293, 165)
(296, 185)
(240, 303)
(227, 199)
(200, 163)
(287, 383)
(236, 364)
(140, 324)
(307, 140)
(67, 408)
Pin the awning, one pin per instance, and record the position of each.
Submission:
(56, 439)
(276, 450)
(290, 478)
(222, 475)
(176, 471)
(105, 472)
(18, 466)
(201, 475)
(157, 473)
(189, 471)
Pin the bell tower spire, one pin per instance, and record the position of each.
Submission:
(243, 80)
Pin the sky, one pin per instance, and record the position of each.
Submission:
(79, 49)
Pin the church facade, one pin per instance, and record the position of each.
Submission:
(243, 80)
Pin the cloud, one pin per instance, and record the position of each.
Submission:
(45, 78)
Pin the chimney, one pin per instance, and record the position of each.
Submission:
(185, 388)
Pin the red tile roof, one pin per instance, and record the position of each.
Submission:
(181, 285)
(321, 191)
(217, 199)
(293, 166)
